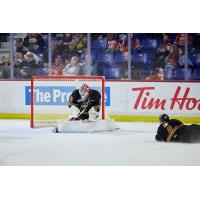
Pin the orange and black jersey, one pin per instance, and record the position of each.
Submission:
(94, 100)
(169, 131)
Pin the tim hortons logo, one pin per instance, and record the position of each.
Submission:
(144, 101)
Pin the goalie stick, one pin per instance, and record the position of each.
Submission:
(84, 108)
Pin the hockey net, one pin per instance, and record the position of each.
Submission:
(50, 94)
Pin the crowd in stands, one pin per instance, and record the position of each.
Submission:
(31, 56)
(164, 56)
(153, 56)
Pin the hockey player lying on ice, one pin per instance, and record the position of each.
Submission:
(82, 100)
(173, 130)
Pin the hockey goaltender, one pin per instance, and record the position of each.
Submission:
(173, 130)
(81, 101)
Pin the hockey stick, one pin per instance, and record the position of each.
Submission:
(84, 108)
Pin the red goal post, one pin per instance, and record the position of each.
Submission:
(49, 96)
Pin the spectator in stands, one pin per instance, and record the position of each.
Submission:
(55, 50)
(18, 61)
(19, 58)
(163, 51)
(180, 40)
(156, 75)
(86, 68)
(171, 60)
(123, 43)
(5, 68)
(19, 46)
(58, 66)
(135, 44)
(124, 67)
(19, 55)
(59, 37)
(182, 59)
(36, 58)
(69, 52)
(82, 44)
(34, 43)
(28, 67)
(66, 40)
(73, 68)
(77, 37)
(112, 44)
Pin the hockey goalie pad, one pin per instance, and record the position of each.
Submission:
(64, 126)
(74, 112)
(93, 114)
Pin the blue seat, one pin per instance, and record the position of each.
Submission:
(119, 58)
(140, 36)
(168, 73)
(41, 57)
(93, 54)
(179, 74)
(140, 58)
(172, 36)
(105, 57)
(112, 73)
(196, 59)
(40, 71)
(150, 44)
(196, 74)
(99, 44)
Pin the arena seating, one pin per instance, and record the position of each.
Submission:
(168, 73)
(196, 59)
(112, 73)
(119, 58)
(143, 54)
(179, 74)
(196, 74)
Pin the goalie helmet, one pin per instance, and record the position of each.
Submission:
(163, 118)
(84, 91)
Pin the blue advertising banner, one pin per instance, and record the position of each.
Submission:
(55, 95)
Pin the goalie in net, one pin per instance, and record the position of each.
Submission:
(82, 100)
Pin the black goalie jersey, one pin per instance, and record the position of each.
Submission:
(94, 100)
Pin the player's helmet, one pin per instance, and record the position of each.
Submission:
(84, 91)
(163, 118)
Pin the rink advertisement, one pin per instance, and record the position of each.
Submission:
(178, 101)
(54, 95)
(125, 98)
(153, 98)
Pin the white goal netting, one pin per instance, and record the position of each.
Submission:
(50, 94)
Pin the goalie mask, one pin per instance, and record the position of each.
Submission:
(84, 92)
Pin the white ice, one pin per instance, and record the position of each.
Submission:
(133, 144)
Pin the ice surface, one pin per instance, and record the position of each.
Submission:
(133, 144)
